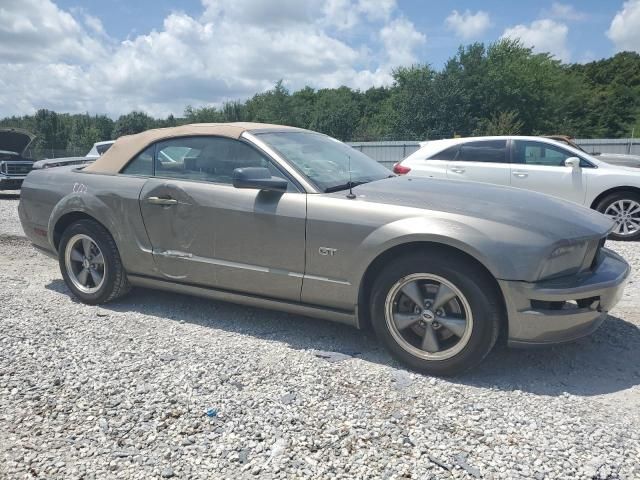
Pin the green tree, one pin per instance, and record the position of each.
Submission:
(303, 107)
(336, 112)
(84, 133)
(273, 106)
(202, 115)
(134, 122)
(234, 112)
(504, 123)
(612, 88)
(409, 108)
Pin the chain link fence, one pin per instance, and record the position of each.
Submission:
(42, 153)
(390, 152)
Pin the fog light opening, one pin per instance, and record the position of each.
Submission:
(592, 303)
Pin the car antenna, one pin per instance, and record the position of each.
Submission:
(350, 195)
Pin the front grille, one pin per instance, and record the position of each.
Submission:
(18, 169)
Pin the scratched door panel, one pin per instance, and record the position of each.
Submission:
(242, 240)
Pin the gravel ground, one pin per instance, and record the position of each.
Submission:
(160, 385)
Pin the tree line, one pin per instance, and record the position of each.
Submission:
(502, 88)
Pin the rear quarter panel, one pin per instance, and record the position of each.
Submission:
(112, 200)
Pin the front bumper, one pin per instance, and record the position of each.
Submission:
(564, 309)
(11, 182)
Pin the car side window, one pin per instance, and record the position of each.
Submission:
(211, 159)
(446, 154)
(539, 153)
(141, 164)
(489, 151)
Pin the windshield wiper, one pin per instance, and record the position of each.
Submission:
(344, 186)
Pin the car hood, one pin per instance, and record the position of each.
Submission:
(621, 156)
(620, 159)
(626, 167)
(552, 217)
(15, 140)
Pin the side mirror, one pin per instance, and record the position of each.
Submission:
(258, 178)
(573, 162)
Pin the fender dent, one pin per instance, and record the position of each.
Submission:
(81, 203)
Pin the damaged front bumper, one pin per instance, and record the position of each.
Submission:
(564, 309)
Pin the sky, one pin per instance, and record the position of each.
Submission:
(114, 56)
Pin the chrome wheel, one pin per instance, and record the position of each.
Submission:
(84, 263)
(428, 316)
(626, 214)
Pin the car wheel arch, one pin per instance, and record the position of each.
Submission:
(611, 191)
(65, 220)
(410, 248)
(78, 204)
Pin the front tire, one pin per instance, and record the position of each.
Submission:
(90, 263)
(437, 312)
(624, 209)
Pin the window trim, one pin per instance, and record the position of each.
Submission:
(269, 158)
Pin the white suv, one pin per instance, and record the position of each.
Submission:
(538, 164)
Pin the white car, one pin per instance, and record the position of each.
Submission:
(538, 164)
(96, 152)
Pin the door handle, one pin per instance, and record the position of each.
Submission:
(520, 174)
(162, 201)
(457, 170)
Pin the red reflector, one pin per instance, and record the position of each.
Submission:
(400, 169)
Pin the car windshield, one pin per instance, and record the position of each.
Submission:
(324, 160)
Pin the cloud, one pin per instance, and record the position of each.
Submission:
(377, 9)
(624, 30)
(38, 31)
(401, 39)
(259, 12)
(468, 25)
(95, 24)
(50, 59)
(543, 36)
(564, 11)
(346, 14)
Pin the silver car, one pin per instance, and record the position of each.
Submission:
(97, 149)
(289, 219)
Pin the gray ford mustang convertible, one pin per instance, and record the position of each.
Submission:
(289, 219)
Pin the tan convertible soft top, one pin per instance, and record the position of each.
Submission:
(129, 145)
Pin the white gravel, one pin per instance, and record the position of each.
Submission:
(164, 385)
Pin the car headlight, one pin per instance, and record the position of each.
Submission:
(564, 260)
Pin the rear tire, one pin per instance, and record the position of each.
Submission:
(457, 322)
(624, 209)
(90, 263)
